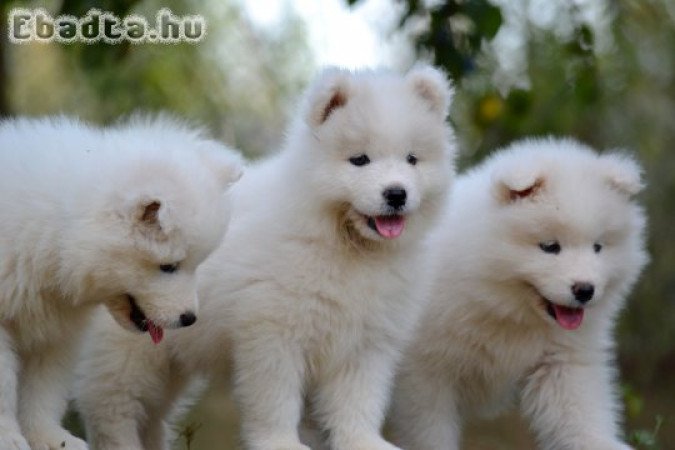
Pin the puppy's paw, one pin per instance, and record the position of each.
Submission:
(281, 443)
(384, 445)
(12, 440)
(617, 446)
(607, 445)
(297, 446)
(55, 439)
(371, 443)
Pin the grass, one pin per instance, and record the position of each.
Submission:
(214, 424)
(647, 439)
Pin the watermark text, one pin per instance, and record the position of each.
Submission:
(27, 25)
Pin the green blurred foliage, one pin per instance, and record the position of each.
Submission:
(238, 81)
(647, 439)
(456, 32)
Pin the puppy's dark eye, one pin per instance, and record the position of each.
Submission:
(597, 247)
(359, 160)
(412, 159)
(550, 247)
(168, 268)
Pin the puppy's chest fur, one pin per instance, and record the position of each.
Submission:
(350, 305)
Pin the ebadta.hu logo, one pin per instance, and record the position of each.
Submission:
(37, 25)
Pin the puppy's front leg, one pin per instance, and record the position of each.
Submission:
(43, 397)
(573, 406)
(351, 400)
(270, 375)
(10, 433)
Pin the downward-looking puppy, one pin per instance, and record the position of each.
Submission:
(315, 289)
(538, 251)
(120, 217)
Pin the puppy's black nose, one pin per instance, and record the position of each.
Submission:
(187, 319)
(583, 292)
(395, 196)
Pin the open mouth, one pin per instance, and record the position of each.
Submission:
(142, 323)
(567, 317)
(388, 226)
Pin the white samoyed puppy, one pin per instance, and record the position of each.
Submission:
(314, 290)
(120, 217)
(538, 250)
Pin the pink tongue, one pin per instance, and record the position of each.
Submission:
(156, 332)
(568, 318)
(390, 227)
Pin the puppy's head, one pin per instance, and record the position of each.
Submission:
(161, 212)
(379, 151)
(572, 233)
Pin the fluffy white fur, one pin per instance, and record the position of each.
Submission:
(487, 342)
(87, 216)
(309, 301)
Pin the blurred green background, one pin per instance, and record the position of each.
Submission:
(600, 70)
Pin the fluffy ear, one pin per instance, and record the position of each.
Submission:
(329, 93)
(224, 163)
(622, 173)
(433, 87)
(148, 214)
(515, 184)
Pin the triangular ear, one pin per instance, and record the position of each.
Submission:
(511, 186)
(224, 163)
(432, 86)
(148, 214)
(622, 173)
(329, 93)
